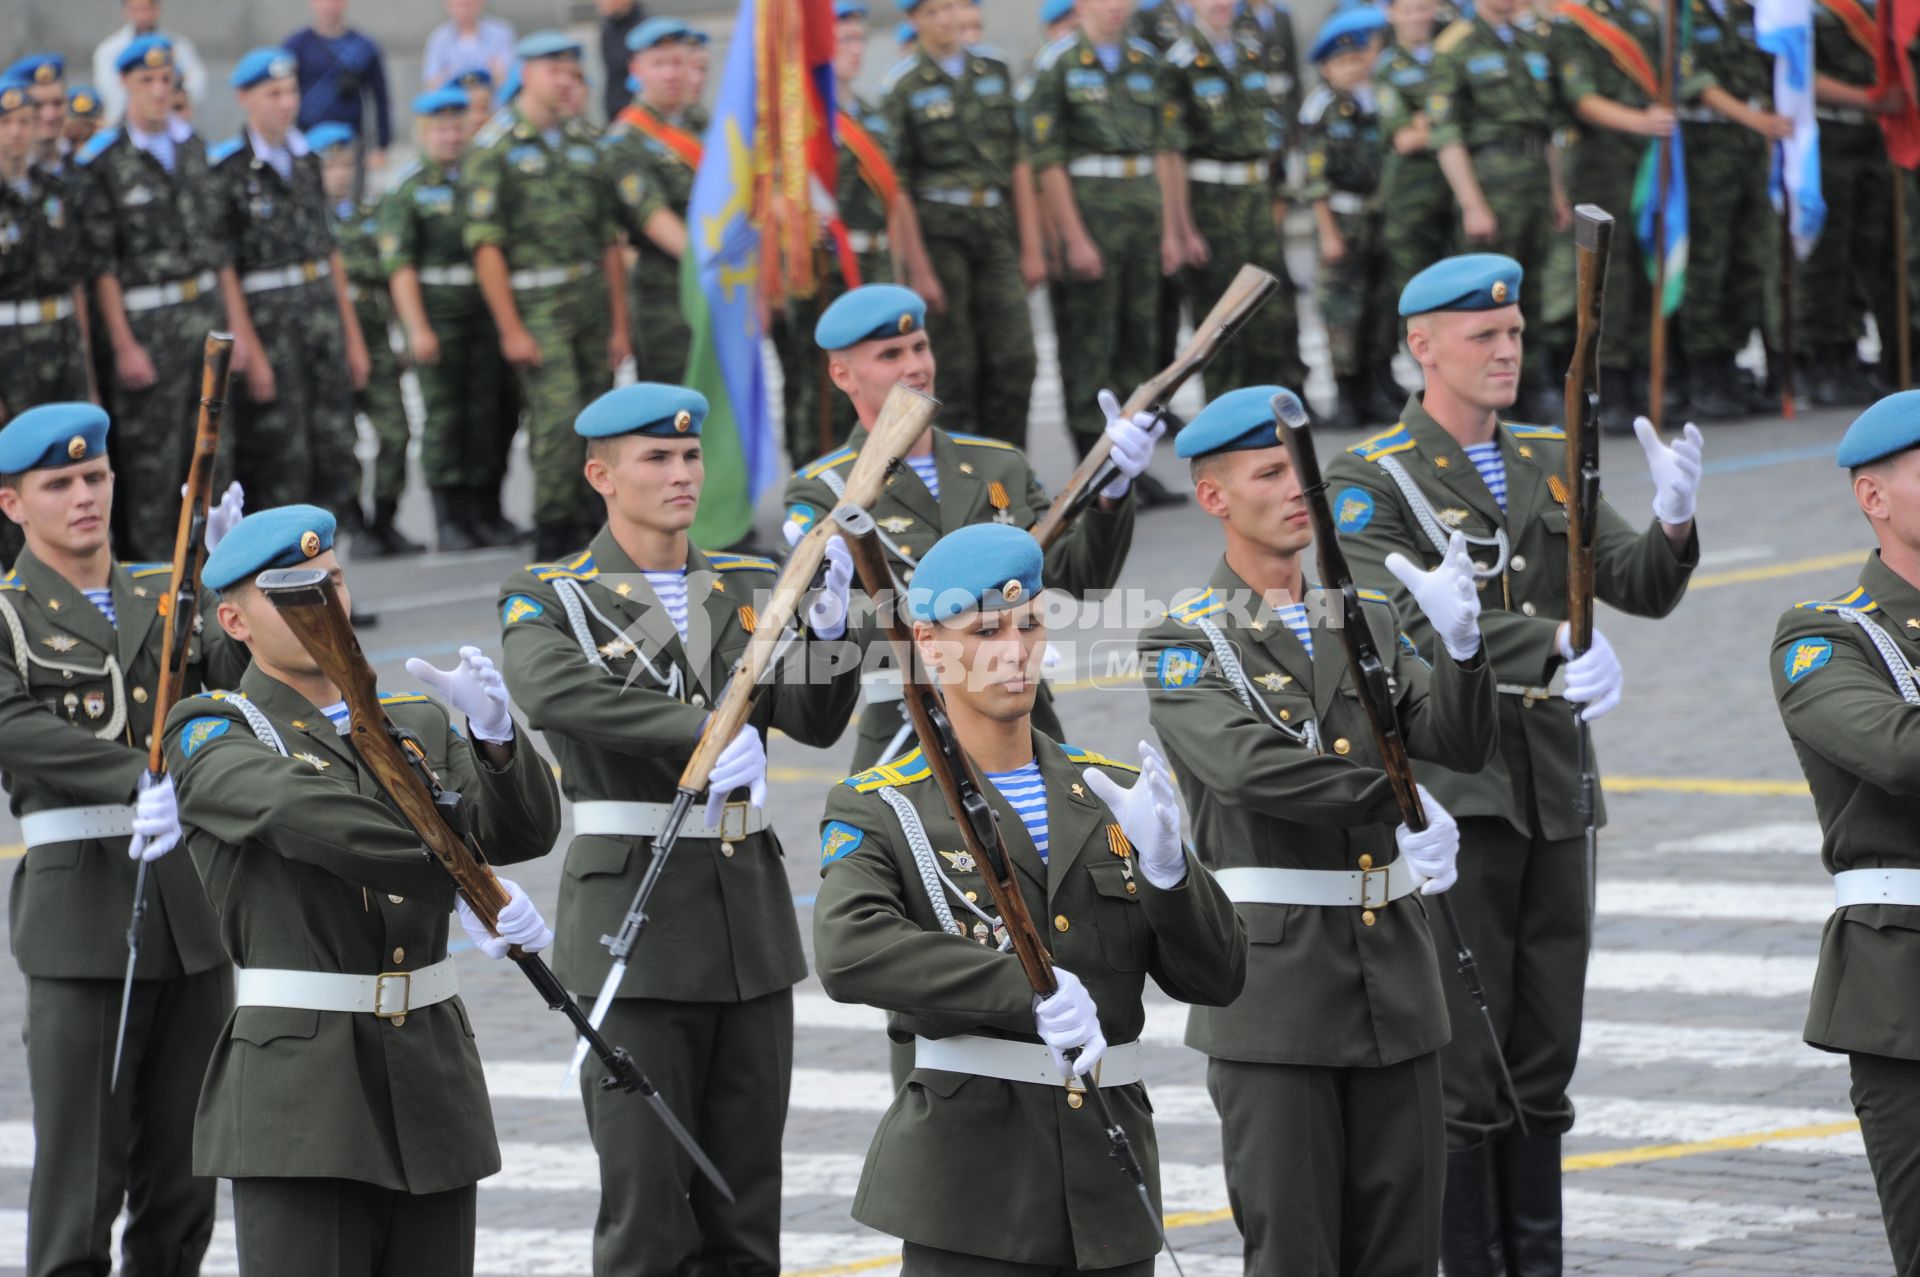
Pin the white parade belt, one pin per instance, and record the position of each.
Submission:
(963, 196)
(447, 276)
(171, 293)
(1227, 172)
(1361, 888)
(1115, 166)
(1346, 202)
(867, 241)
(76, 824)
(267, 281)
(646, 820)
(389, 994)
(1876, 887)
(1019, 1061)
(41, 310)
(548, 276)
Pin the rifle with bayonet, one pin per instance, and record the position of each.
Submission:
(308, 601)
(1368, 672)
(960, 785)
(904, 417)
(1244, 295)
(177, 608)
(1592, 241)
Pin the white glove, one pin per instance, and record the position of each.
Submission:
(475, 688)
(220, 520)
(1447, 596)
(1069, 1019)
(1431, 853)
(1149, 815)
(742, 762)
(1593, 679)
(156, 819)
(1675, 471)
(520, 924)
(827, 612)
(1133, 439)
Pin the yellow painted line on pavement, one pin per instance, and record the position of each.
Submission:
(12, 850)
(1771, 571)
(1717, 787)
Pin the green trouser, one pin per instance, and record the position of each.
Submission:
(1333, 1170)
(1522, 903)
(1352, 297)
(983, 341)
(1419, 225)
(1733, 239)
(1237, 223)
(95, 1148)
(660, 332)
(927, 1261)
(1886, 1096)
(152, 433)
(344, 1228)
(1601, 169)
(1522, 205)
(381, 402)
(1106, 327)
(570, 323)
(299, 447)
(1846, 273)
(1559, 282)
(725, 1067)
(462, 392)
(803, 365)
(39, 363)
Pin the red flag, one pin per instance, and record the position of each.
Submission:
(1899, 22)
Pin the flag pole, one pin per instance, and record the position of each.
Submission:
(1902, 321)
(1662, 166)
(1786, 308)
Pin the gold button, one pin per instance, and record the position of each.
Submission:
(1366, 916)
(398, 900)
(726, 849)
(1060, 922)
(1480, 568)
(698, 700)
(398, 1020)
(1527, 608)
(1342, 746)
(1073, 1100)
(139, 696)
(1132, 886)
(972, 896)
(1286, 715)
(1366, 861)
(399, 954)
(1518, 563)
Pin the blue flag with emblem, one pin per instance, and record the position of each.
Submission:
(1648, 197)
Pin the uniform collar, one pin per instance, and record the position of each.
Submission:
(707, 591)
(66, 607)
(1898, 599)
(1271, 633)
(1440, 458)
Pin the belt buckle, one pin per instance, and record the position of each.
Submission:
(1366, 888)
(189, 290)
(977, 197)
(1078, 1083)
(49, 309)
(380, 993)
(1130, 167)
(726, 815)
(309, 271)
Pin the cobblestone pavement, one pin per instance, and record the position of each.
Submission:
(1710, 1139)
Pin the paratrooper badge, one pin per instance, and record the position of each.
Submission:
(961, 861)
(1453, 516)
(1274, 682)
(319, 764)
(895, 524)
(60, 642)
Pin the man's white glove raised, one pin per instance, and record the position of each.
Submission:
(475, 688)
(156, 819)
(827, 609)
(1133, 439)
(520, 924)
(1593, 678)
(1069, 1019)
(1433, 851)
(742, 762)
(1675, 469)
(1149, 815)
(1447, 596)
(220, 519)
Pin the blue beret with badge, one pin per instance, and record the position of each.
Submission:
(13, 94)
(145, 52)
(53, 435)
(1347, 30)
(39, 68)
(844, 9)
(872, 312)
(1237, 421)
(473, 78)
(1471, 281)
(260, 65)
(1052, 11)
(546, 44)
(1889, 426)
(983, 566)
(83, 101)
(435, 101)
(328, 134)
(644, 408)
(656, 31)
(283, 537)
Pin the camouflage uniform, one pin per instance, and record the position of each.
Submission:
(1341, 138)
(300, 446)
(1272, 26)
(359, 236)
(1104, 128)
(1226, 121)
(40, 262)
(1420, 223)
(647, 176)
(955, 143)
(546, 210)
(159, 235)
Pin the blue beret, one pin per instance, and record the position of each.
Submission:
(330, 133)
(510, 87)
(153, 50)
(658, 31)
(449, 97)
(1471, 281)
(904, 34)
(283, 537)
(82, 100)
(843, 9)
(52, 435)
(472, 76)
(269, 63)
(988, 566)
(1347, 29)
(644, 408)
(872, 312)
(39, 68)
(1051, 11)
(546, 44)
(1891, 425)
(1237, 421)
(13, 94)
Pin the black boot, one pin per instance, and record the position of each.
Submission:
(382, 540)
(1341, 414)
(1828, 383)
(1713, 395)
(1619, 405)
(1470, 1240)
(453, 533)
(490, 521)
(1528, 1170)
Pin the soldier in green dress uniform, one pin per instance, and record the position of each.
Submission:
(1843, 674)
(1116, 898)
(1454, 464)
(345, 1099)
(1326, 1071)
(79, 660)
(616, 653)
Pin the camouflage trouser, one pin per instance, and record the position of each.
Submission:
(660, 333)
(1419, 223)
(39, 363)
(1352, 297)
(1512, 176)
(300, 446)
(380, 402)
(1557, 289)
(570, 323)
(803, 365)
(1846, 274)
(1601, 170)
(1733, 238)
(467, 396)
(1106, 327)
(983, 343)
(1237, 223)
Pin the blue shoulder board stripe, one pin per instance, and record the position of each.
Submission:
(827, 463)
(95, 145)
(1386, 443)
(910, 766)
(1857, 601)
(146, 569)
(1373, 596)
(1080, 755)
(221, 150)
(12, 581)
(579, 568)
(1202, 604)
(402, 698)
(742, 563)
(1519, 431)
(981, 441)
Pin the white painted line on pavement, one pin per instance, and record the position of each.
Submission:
(1677, 1222)
(1686, 1121)
(1678, 898)
(1711, 974)
(1628, 1044)
(1796, 836)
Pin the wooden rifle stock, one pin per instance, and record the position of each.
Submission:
(1251, 287)
(1593, 242)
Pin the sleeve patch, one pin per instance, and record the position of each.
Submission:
(1807, 656)
(1352, 509)
(838, 841)
(199, 731)
(519, 608)
(802, 515)
(1179, 667)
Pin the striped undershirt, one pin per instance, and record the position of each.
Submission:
(672, 589)
(929, 472)
(337, 715)
(1026, 793)
(1294, 616)
(103, 599)
(1493, 470)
